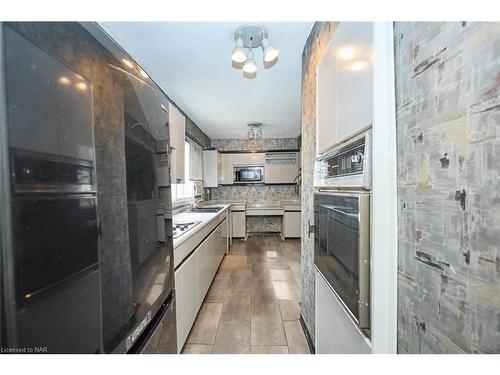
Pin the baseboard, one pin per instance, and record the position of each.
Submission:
(309, 339)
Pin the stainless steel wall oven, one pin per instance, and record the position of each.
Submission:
(342, 224)
(342, 248)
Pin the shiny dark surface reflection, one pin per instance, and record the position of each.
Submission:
(336, 245)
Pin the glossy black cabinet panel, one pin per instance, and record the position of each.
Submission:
(53, 298)
(50, 105)
(56, 237)
(95, 95)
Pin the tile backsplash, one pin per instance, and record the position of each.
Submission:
(255, 193)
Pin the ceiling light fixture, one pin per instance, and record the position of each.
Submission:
(250, 66)
(254, 130)
(249, 37)
(239, 54)
(270, 52)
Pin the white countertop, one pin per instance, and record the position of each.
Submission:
(289, 201)
(204, 217)
(265, 205)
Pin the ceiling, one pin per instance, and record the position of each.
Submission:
(191, 62)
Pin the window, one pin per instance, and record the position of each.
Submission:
(183, 193)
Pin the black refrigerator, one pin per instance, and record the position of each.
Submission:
(51, 301)
(86, 250)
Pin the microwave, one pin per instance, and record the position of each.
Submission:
(248, 174)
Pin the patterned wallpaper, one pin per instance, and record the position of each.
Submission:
(317, 42)
(448, 137)
(255, 193)
(264, 144)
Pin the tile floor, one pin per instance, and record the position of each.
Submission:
(252, 305)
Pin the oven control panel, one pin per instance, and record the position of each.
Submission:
(346, 162)
(347, 166)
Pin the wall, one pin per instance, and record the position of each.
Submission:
(448, 136)
(260, 193)
(317, 42)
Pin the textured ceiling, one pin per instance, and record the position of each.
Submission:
(191, 62)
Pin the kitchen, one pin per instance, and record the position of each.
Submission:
(195, 199)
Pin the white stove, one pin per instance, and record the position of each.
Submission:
(182, 227)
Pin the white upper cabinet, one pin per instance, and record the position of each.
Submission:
(250, 158)
(281, 167)
(344, 85)
(195, 162)
(226, 176)
(177, 124)
(211, 168)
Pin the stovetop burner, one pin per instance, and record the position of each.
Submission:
(181, 227)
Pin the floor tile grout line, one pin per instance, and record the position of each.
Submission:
(220, 317)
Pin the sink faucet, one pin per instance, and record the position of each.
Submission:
(196, 204)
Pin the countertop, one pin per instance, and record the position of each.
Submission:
(265, 205)
(290, 201)
(204, 217)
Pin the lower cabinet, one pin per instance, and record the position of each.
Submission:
(239, 224)
(336, 331)
(291, 224)
(193, 278)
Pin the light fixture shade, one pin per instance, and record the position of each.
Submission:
(269, 51)
(250, 66)
(239, 55)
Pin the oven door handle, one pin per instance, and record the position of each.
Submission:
(332, 208)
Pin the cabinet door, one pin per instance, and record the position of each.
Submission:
(251, 158)
(187, 298)
(212, 258)
(344, 99)
(211, 168)
(50, 105)
(354, 79)
(181, 309)
(291, 224)
(227, 169)
(239, 224)
(223, 242)
(202, 276)
(281, 167)
(195, 162)
(177, 123)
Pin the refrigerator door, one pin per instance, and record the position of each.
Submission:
(50, 105)
(161, 337)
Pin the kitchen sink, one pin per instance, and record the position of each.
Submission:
(207, 209)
